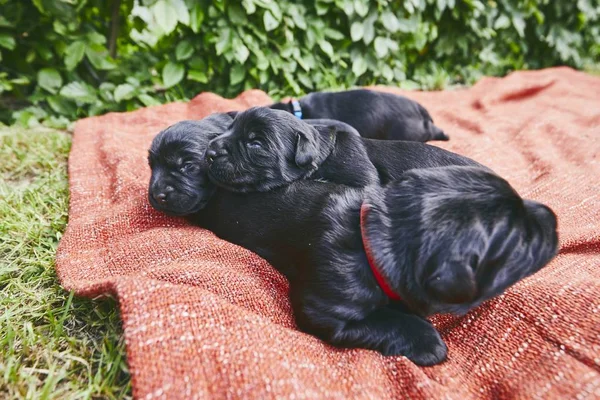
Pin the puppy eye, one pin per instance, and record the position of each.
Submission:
(254, 144)
(187, 167)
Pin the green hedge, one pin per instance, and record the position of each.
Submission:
(65, 59)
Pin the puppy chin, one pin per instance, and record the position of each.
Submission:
(223, 175)
(179, 212)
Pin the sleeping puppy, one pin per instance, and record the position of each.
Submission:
(179, 184)
(376, 115)
(265, 149)
(366, 266)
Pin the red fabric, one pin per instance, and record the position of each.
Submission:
(389, 292)
(203, 318)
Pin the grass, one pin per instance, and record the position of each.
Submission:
(52, 345)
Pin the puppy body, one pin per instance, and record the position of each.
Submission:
(289, 149)
(376, 115)
(444, 239)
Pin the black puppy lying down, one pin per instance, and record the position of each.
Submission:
(356, 162)
(264, 149)
(367, 265)
(375, 115)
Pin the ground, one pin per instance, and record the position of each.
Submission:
(53, 345)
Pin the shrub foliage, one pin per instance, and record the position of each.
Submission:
(65, 59)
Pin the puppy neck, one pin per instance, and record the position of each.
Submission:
(377, 242)
(375, 268)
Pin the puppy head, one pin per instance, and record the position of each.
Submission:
(467, 236)
(179, 184)
(263, 149)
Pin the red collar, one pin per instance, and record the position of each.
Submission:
(364, 210)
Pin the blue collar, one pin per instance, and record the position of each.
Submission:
(296, 107)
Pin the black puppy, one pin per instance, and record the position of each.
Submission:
(183, 186)
(264, 149)
(366, 265)
(179, 184)
(376, 115)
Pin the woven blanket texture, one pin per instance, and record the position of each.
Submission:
(206, 319)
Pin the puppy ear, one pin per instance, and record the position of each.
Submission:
(519, 249)
(307, 146)
(533, 245)
(453, 282)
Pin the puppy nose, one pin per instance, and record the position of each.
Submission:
(211, 155)
(161, 198)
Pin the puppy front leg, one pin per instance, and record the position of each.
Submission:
(392, 332)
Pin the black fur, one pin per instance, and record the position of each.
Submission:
(376, 115)
(446, 239)
(265, 149)
(179, 184)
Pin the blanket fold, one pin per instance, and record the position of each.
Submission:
(204, 318)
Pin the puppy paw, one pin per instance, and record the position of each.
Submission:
(420, 343)
(430, 350)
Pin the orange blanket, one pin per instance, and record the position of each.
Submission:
(204, 318)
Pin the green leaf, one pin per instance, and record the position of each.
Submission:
(333, 34)
(357, 31)
(181, 10)
(361, 7)
(61, 105)
(172, 74)
(237, 74)
(387, 73)
(95, 38)
(106, 90)
(519, 24)
(321, 9)
(299, 20)
(359, 66)
(124, 91)
(7, 41)
(241, 53)
(502, 22)
(79, 91)
(381, 48)
(49, 79)
(184, 50)
(236, 14)
(165, 16)
(99, 59)
(390, 21)
(224, 41)
(4, 23)
(196, 18)
(148, 100)
(57, 122)
(269, 21)
(198, 76)
(74, 54)
(249, 6)
(369, 27)
(197, 62)
(326, 47)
